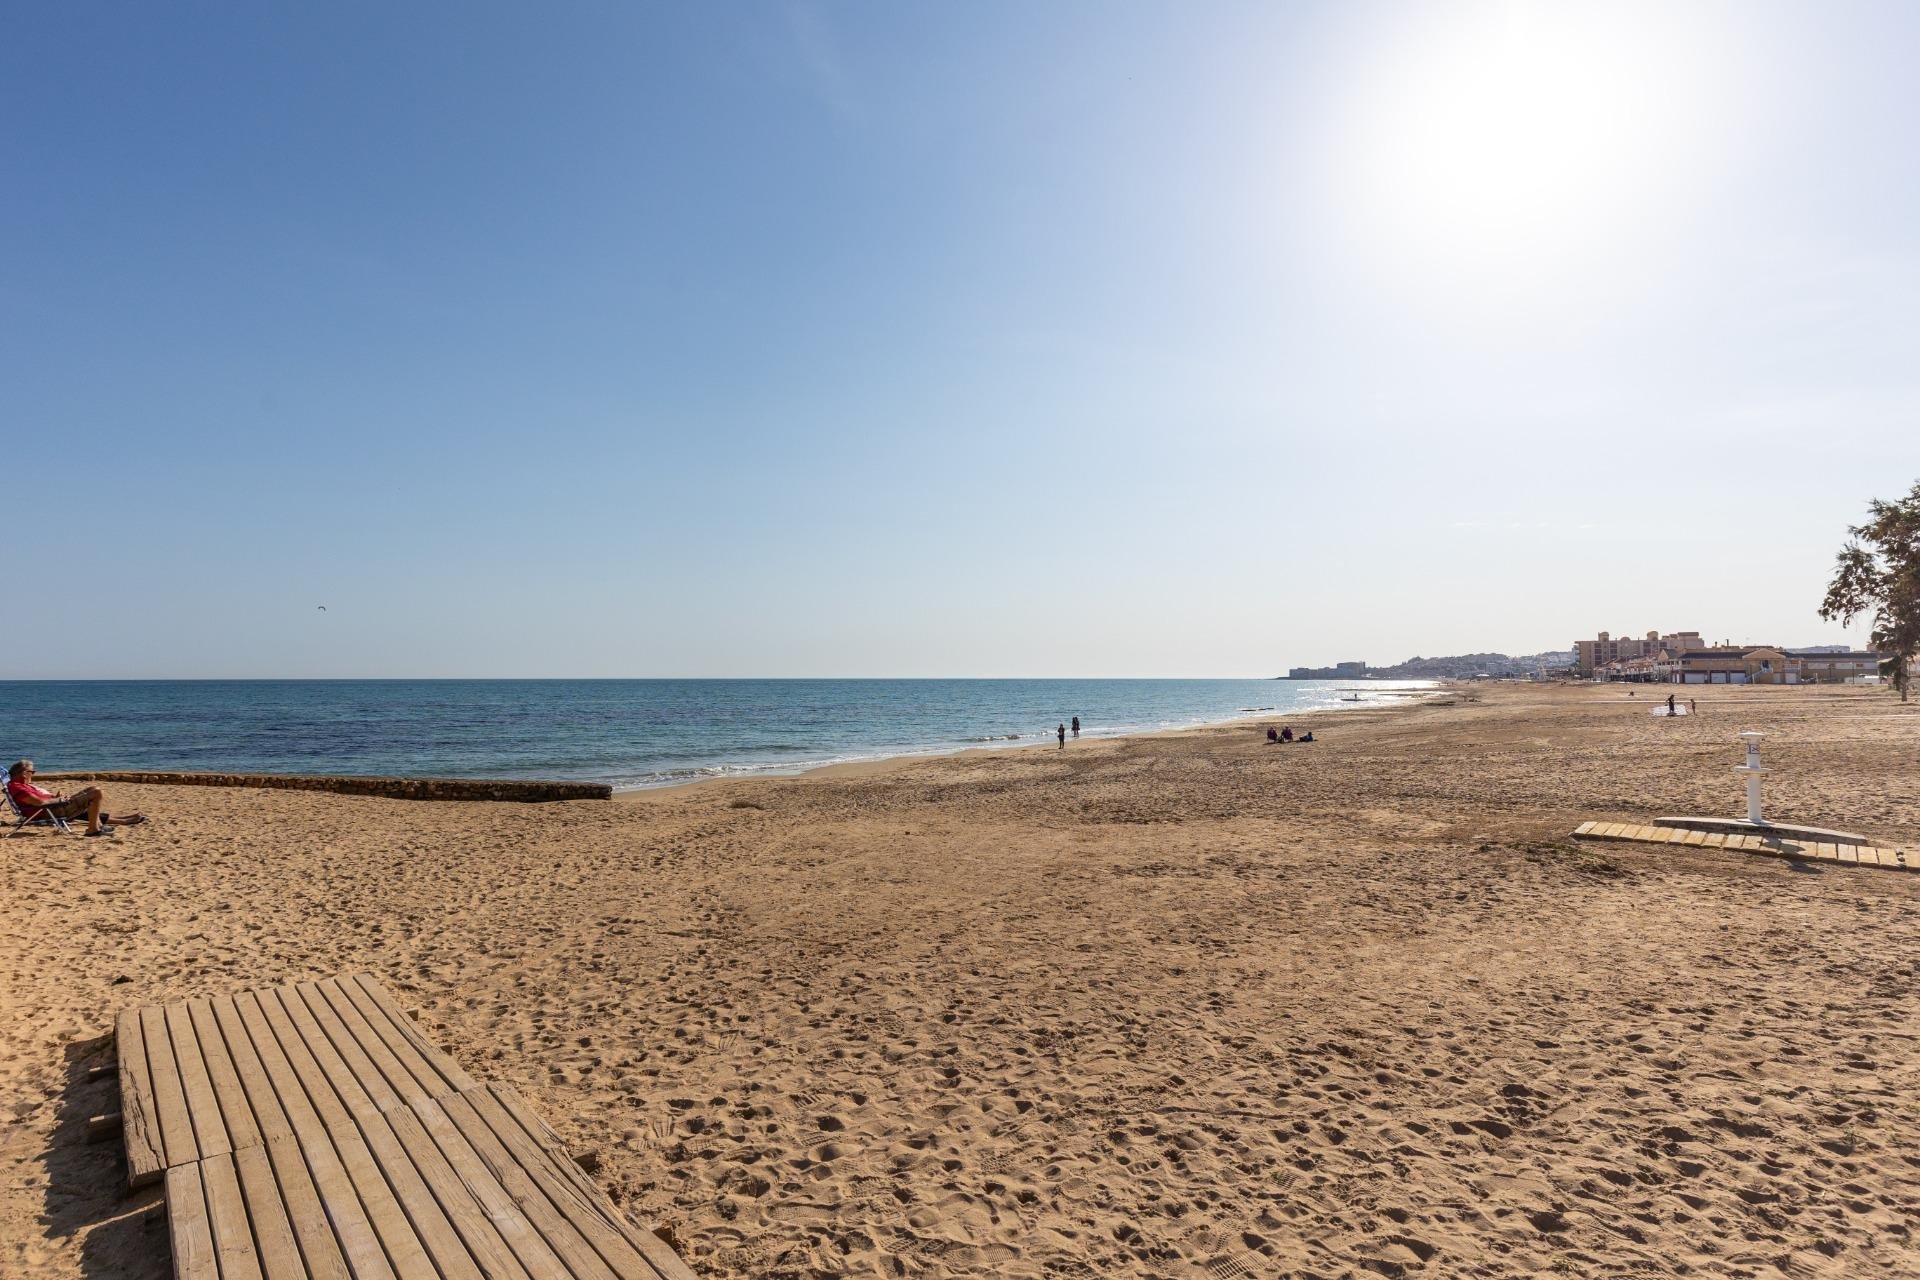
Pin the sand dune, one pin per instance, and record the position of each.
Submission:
(1179, 1006)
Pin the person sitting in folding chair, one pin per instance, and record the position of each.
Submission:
(33, 802)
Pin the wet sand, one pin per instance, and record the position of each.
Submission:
(1177, 1006)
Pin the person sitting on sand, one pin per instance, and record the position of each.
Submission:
(1286, 734)
(90, 803)
(1273, 735)
(1307, 736)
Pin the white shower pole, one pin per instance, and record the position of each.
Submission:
(1753, 771)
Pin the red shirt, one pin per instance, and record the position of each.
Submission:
(26, 795)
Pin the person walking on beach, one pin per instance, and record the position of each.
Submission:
(1063, 737)
(1669, 704)
(1693, 706)
(1076, 726)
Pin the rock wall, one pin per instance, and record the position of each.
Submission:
(391, 788)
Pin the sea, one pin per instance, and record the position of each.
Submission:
(631, 733)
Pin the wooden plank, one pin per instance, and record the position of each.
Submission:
(139, 1126)
(1583, 829)
(279, 1251)
(431, 1225)
(336, 1129)
(359, 1243)
(383, 1209)
(1715, 840)
(378, 1048)
(169, 1098)
(521, 1236)
(349, 1050)
(446, 1075)
(235, 1111)
(369, 1134)
(227, 1213)
(286, 1169)
(477, 1229)
(1868, 855)
(561, 1234)
(505, 1110)
(1696, 837)
(187, 1226)
(337, 1078)
(203, 1108)
(323, 1248)
(1845, 853)
(326, 1104)
(268, 1115)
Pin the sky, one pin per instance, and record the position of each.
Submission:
(807, 339)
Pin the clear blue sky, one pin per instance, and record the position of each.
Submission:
(872, 339)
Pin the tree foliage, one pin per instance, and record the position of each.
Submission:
(1878, 571)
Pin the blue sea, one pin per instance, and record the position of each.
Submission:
(631, 733)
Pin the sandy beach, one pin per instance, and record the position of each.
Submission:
(1183, 1006)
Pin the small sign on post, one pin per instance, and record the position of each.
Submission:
(1753, 771)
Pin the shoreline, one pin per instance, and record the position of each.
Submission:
(1407, 700)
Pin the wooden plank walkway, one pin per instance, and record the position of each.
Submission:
(310, 1132)
(1864, 855)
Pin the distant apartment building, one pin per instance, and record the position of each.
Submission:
(1338, 671)
(1589, 656)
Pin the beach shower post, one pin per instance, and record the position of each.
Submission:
(1753, 771)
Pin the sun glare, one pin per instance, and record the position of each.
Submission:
(1522, 133)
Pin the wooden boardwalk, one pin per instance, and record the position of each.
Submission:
(311, 1131)
(1860, 855)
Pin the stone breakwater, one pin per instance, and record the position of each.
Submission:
(390, 788)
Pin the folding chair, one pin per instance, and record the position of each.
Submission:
(39, 816)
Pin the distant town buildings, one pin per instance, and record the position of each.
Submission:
(1675, 657)
(1463, 666)
(1683, 658)
(1338, 671)
(1590, 655)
